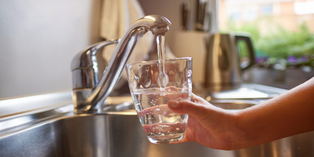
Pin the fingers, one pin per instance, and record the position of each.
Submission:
(198, 99)
(199, 108)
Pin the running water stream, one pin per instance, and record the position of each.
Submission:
(163, 79)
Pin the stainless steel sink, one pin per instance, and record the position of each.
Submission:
(120, 134)
(234, 105)
(57, 132)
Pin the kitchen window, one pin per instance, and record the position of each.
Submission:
(283, 35)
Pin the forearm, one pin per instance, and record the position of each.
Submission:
(286, 115)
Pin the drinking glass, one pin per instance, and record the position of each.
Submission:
(152, 84)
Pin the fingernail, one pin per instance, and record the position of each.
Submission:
(174, 104)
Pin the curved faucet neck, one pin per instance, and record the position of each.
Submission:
(90, 99)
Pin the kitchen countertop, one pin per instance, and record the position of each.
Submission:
(36, 103)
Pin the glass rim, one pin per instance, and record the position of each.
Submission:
(154, 61)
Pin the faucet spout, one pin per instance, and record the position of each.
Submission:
(89, 92)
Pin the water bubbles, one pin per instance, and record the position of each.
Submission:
(158, 121)
(156, 111)
(164, 128)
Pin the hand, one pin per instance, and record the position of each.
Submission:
(208, 125)
(285, 115)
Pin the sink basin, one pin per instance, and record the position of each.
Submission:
(118, 133)
(233, 105)
(55, 131)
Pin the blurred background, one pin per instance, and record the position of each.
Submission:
(39, 38)
(282, 32)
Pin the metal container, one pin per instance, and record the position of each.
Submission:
(222, 65)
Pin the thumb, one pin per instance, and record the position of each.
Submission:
(197, 110)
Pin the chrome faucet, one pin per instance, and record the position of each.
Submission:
(88, 91)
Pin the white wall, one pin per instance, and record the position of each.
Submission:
(38, 39)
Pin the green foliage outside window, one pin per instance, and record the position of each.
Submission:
(279, 45)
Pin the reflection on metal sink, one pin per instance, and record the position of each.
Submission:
(119, 134)
(234, 105)
(57, 131)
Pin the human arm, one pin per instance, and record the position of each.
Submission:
(285, 115)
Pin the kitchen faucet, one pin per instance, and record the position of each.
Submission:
(88, 91)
